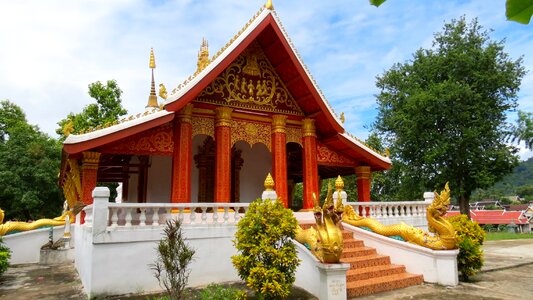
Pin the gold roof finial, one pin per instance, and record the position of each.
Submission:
(269, 5)
(339, 183)
(152, 99)
(342, 118)
(152, 59)
(203, 56)
(269, 183)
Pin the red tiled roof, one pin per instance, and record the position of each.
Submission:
(494, 216)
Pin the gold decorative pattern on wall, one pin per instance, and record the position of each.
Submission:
(251, 82)
(251, 132)
(294, 135)
(158, 141)
(203, 125)
(326, 156)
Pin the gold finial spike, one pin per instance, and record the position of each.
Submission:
(269, 183)
(203, 56)
(342, 117)
(163, 91)
(152, 99)
(269, 5)
(387, 152)
(152, 59)
(339, 184)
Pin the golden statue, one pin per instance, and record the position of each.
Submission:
(163, 91)
(444, 234)
(68, 128)
(325, 241)
(23, 226)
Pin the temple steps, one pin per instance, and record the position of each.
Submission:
(371, 272)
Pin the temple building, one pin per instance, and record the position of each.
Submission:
(251, 109)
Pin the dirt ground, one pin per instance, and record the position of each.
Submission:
(507, 274)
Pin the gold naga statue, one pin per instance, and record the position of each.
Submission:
(444, 237)
(11, 226)
(325, 241)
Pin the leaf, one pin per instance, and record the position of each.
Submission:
(377, 3)
(518, 10)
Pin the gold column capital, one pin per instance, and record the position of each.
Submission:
(223, 116)
(363, 172)
(308, 127)
(185, 114)
(278, 123)
(90, 160)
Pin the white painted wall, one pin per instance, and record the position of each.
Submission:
(257, 164)
(26, 246)
(159, 179)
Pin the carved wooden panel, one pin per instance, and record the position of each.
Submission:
(251, 82)
(327, 156)
(251, 132)
(203, 125)
(155, 141)
(294, 135)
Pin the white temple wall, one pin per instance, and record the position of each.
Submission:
(197, 141)
(257, 164)
(159, 179)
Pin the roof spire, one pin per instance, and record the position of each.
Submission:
(152, 99)
(269, 5)
(203, 56)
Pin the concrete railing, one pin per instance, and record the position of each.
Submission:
(104, 214)
(387, 213)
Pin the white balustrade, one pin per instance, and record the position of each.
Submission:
(410, 212)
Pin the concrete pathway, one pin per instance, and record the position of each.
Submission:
(507, 274)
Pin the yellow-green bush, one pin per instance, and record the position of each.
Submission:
(267, 258)
(470, 237)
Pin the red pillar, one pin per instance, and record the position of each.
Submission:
(364, 176)
(223, 154)
(182, 156)
(310, 167)
(279, 157)
(89, 171)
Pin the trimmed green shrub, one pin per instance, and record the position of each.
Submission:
(267, 258)
(470, 237)
(5, 255)
(171, 268)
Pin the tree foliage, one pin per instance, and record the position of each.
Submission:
(107, 109)
(523, 130)
(29, 162)
(267, 257)
(443, 113)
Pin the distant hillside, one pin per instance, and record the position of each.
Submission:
(520, 182)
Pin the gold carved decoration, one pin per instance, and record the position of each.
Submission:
(203, 125)
(308, 127)
(223, 116)
(278, 123)
(294, 135)
(154, 141)
(251, 82)
(90, 160)
(326, 156)
(163, 91)
(250, 132)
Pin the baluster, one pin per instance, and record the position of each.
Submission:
(155, 216)
(204, 214)
(371, 211)
(215, 214)
(226, 214)
(168, 214)
(128, 217)
(237, 215)
(89, 216)
(142, 217)
(395, 212)
(192, 216)
(387, 211)
(410, 211)
(114, 217)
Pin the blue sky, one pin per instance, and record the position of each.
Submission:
(51, 50)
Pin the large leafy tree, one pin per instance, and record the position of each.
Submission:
(29, 161)
(107, 109)
(523, 130)
(444, 111)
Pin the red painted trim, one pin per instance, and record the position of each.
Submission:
(115, 136)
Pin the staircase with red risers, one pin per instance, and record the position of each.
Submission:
(370, 272)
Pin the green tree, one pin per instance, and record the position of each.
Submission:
(29, 160)
(523, 130)
(443, 113)
(107, 109)
(267, 257)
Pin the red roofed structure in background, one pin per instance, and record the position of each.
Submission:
(498, 217)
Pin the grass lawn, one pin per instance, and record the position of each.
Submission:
(497, 236)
